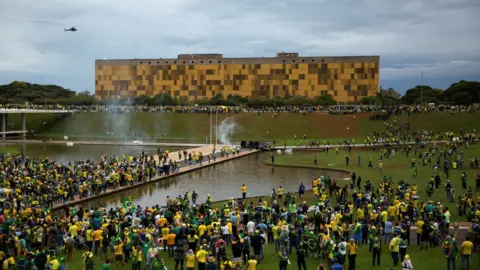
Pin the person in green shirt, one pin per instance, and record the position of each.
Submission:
(450, 249)
(376, 248)
(106, 265)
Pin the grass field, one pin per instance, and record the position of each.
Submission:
(397, 167)
(421, 259)
(9, 150)
(242, 126)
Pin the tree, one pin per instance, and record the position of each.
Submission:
(414, 95)
(143, 100)
(371, 101)
(298, 101)
(219, 100)
(237, 99)
(388, 96)
(461, 98)
(390, 93)
(163, 100)
(325, 99)
(84, 93)
(21, 92)
(470, 88)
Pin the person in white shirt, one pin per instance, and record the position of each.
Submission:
(224, 229)
(342, 249)
(407, 264)
(250, 228)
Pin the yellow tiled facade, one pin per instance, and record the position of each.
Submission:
(203, 76)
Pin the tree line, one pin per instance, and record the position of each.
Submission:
(462, 92)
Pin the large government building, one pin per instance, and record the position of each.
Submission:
(199, 76)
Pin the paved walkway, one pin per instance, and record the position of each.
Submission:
(205, 150)
(184, 168)
(333, 146)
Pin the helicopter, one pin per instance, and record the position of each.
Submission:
(71, 29)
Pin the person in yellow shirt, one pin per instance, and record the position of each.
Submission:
(360, 214)
(118, 252)
(165, 233)
(280, 193)
(97, 238)
(190, 260)
(9, 263)
(466, 253)
(244, 191)
(192, 239)
(252, 264)
(352, 253)
(87, 258)
(137, 254)
(201, 258)
(162, 221)
(373, 217)
(202, 229)
(392, 212)
(419, 230)
(395, 248)
(171, 243)
(384, 215)
(73, 231)
(89, 236)
(54, 263)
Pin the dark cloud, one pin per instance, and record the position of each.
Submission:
(438, 38)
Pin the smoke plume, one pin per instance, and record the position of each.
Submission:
(226, 129)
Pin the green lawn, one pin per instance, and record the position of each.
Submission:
(189, 127)
(9, 150)
(37, 122)
(397, 167)
(421, 259)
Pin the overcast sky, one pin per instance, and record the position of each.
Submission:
(440, 38)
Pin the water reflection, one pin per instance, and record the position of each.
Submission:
(222, 181)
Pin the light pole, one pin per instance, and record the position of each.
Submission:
(211, 125)
(44, 93)
(216, 126)
(421, 91)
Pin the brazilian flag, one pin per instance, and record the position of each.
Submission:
(414, 173)
(128, 205)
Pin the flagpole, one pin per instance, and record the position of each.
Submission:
(216, 126)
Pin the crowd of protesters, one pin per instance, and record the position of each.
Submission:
(236, 234)
(239, 233)
(333, 109)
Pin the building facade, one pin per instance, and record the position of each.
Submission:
(199, 76)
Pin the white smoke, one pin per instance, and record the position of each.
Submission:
(226, 129)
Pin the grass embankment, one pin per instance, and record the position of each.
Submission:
(9, 150)
(248, 126)
(397, 167)
(38, 122)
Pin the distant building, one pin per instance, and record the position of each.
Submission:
(199, 76)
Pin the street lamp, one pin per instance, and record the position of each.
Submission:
(44, 93)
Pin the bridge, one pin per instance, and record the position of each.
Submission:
(23, 115)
